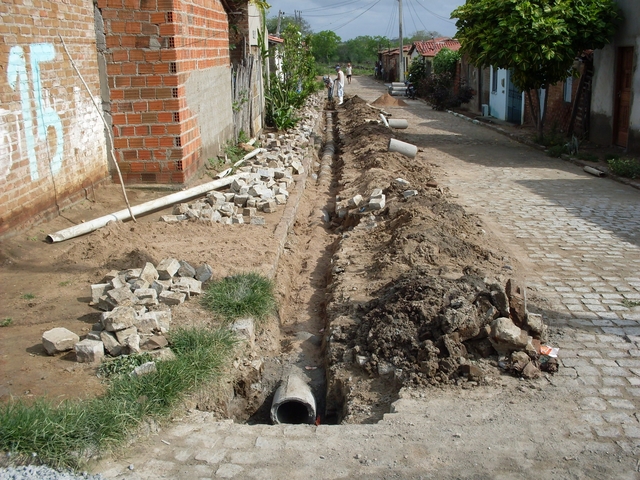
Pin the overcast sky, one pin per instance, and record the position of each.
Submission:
(354, 18)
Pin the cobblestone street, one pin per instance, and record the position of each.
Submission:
(576, 239)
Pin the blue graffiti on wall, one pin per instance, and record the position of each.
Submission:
(45, 114)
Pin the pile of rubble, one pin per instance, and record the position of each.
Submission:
(425, 329)
(265, 177)
(137, 311)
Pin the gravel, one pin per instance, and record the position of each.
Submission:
(30, 472)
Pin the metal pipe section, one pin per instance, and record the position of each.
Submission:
(123, 215)
(398, 123)
(293, 402)
(404, 148)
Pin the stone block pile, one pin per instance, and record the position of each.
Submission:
(137, 310)
(264, 182)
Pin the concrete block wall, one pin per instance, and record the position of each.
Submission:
(168, 70)
(52, 143)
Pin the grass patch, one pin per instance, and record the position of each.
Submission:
(624, 167)
(123, 364)
(28, 296)
(5, 322)
(61, 435)
(630, 303)
(243, 295)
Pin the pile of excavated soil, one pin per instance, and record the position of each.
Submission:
(409, 298)
(387, 100)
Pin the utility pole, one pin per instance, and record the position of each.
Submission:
(401, 64)
(280, 14)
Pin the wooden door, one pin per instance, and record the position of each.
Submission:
(622, 108)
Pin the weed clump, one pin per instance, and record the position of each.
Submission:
(247, 294)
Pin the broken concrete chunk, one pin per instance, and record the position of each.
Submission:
(297, 167)
(155, 342)
(122, 335)
(121, 296)
(356, 201)
(173, 218)
(172, 298)
(186, 270)
(401, 182)
(257, 221)
(59, 340)
(167, 268)
(111, 343)
(144, 369)
(203, 273)
(270, 207)
(89, 351)
(132, 342)
(119, 281)
(409, 193)
(147, 323)
(137, 283)
(506, 336)
(93, 335)
(98, 290)
(376, 203)
(162, 355)
(244, 328)
(180, 209)
(186, 284)
(149, 273)
(118, 319)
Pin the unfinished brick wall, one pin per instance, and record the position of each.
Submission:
(167, 63)
(52, 144)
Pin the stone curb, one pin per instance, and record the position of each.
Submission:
(291, 210)
(567, 158)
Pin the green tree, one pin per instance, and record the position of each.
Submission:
(538, 40)
(288, 88)
(325, 45)
(303, 26)
(423, 35)
(445, 61)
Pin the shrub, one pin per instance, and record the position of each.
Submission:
(556, 150)
(439, 92)
(625, 167)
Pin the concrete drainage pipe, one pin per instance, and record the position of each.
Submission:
(293, 402)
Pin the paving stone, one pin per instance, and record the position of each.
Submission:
(59, 340)
(621, 403)
(211, 456)
(593, 403)
(89, 351)
(229, 470)
(607, 432)
(610, 392)
(618, 417)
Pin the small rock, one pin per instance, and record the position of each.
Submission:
(59, 340)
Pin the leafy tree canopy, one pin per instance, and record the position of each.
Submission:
(537, 39)
(422, 35)
(325, 45)
(301, 24)
(445, 61)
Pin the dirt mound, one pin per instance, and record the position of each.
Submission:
(387, 100)
(426, 326)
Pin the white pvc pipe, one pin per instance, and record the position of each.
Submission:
(402, 147)
(593, 171)
(123, 215)
(398, 123)
(384, 120)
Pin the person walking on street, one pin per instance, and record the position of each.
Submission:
(339, 82)
(349, 73)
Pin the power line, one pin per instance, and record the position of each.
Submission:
(328, 7)
(412, 6)
(357, 16)
(435, 14)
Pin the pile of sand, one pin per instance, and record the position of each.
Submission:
(387, 100)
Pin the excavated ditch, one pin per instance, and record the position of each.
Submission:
(405, 288)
